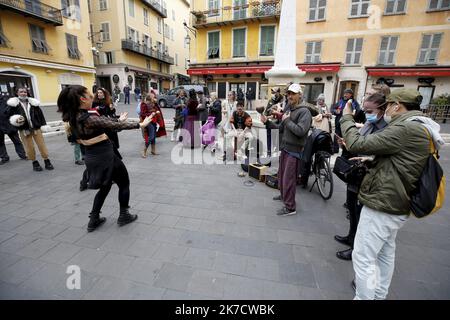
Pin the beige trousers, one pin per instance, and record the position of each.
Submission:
(29, 145)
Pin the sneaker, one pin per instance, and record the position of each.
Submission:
(4, 161)
(286, 212)
(277, 198)
(79, 162)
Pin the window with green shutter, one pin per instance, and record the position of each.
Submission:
(38, 42)
(267, 41)
(213, 45)
(72, 46)
(239, 43)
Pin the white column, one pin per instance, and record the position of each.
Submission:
(285, 68)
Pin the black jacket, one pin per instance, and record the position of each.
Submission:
(216, 111)
(5, 126)
(36, 114)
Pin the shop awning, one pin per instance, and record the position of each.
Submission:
(313, 68)
(320, 67)
(409, 72)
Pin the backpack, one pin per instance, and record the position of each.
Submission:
(429, 195)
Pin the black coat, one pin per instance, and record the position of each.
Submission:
(36, 114)
(5, 126)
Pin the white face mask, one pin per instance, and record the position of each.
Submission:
(388, 118)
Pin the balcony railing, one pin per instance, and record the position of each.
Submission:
(130, 45)
(155, 5)
(34, 9)
(254, 10)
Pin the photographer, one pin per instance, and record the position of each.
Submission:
(374, 107)
(401, 151)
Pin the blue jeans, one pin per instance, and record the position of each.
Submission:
(151, 129)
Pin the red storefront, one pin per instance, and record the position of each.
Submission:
(431, 81)
(225, 78)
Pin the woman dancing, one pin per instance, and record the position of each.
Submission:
(103, 164)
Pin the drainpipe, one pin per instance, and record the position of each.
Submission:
(126, 29)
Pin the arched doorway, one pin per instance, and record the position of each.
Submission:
(11, 80)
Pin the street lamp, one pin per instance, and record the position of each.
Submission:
(188, 38)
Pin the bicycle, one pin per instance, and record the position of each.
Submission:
(321, 169)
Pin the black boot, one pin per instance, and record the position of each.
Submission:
(345, 254)
(344, 240)
(48, 165)
(95, 221)
(36, 166)
(125, 217)
(83, 186)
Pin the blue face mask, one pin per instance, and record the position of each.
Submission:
(372, 118)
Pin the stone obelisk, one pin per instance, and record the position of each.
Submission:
(285, 69)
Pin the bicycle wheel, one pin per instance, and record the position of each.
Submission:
(324, 177)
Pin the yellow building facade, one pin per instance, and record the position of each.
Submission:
(340, 44)
(134, 43)
(44, 46)
(403, 43)
(234, 44)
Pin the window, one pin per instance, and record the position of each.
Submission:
(176, 59)
(387, 50)
(173, 15)
(267, 41)
(71, 9)
(359, 8)
(313, 50)
(312, 91)
(159, 25)
(172, 34)
(186, 65)
(131, 8)
(240, 9)
(166, 31)
(395, 6)
(133, 35)
(317, 10)
(145, 17)
(109, 57)
(429, 49)
(72, 46)
(239, 36)
(103, 5)
(89, 6)
(214, 45)
(3, 40)
(213, 8)
(106, 36)
(149, 64)
(38, 42)
(434, 5)
(146, 41)
(354, 49)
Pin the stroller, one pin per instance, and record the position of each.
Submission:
(208, 131)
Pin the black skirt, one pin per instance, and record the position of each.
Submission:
(100, 159)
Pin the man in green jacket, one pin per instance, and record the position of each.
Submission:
(401, 151)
